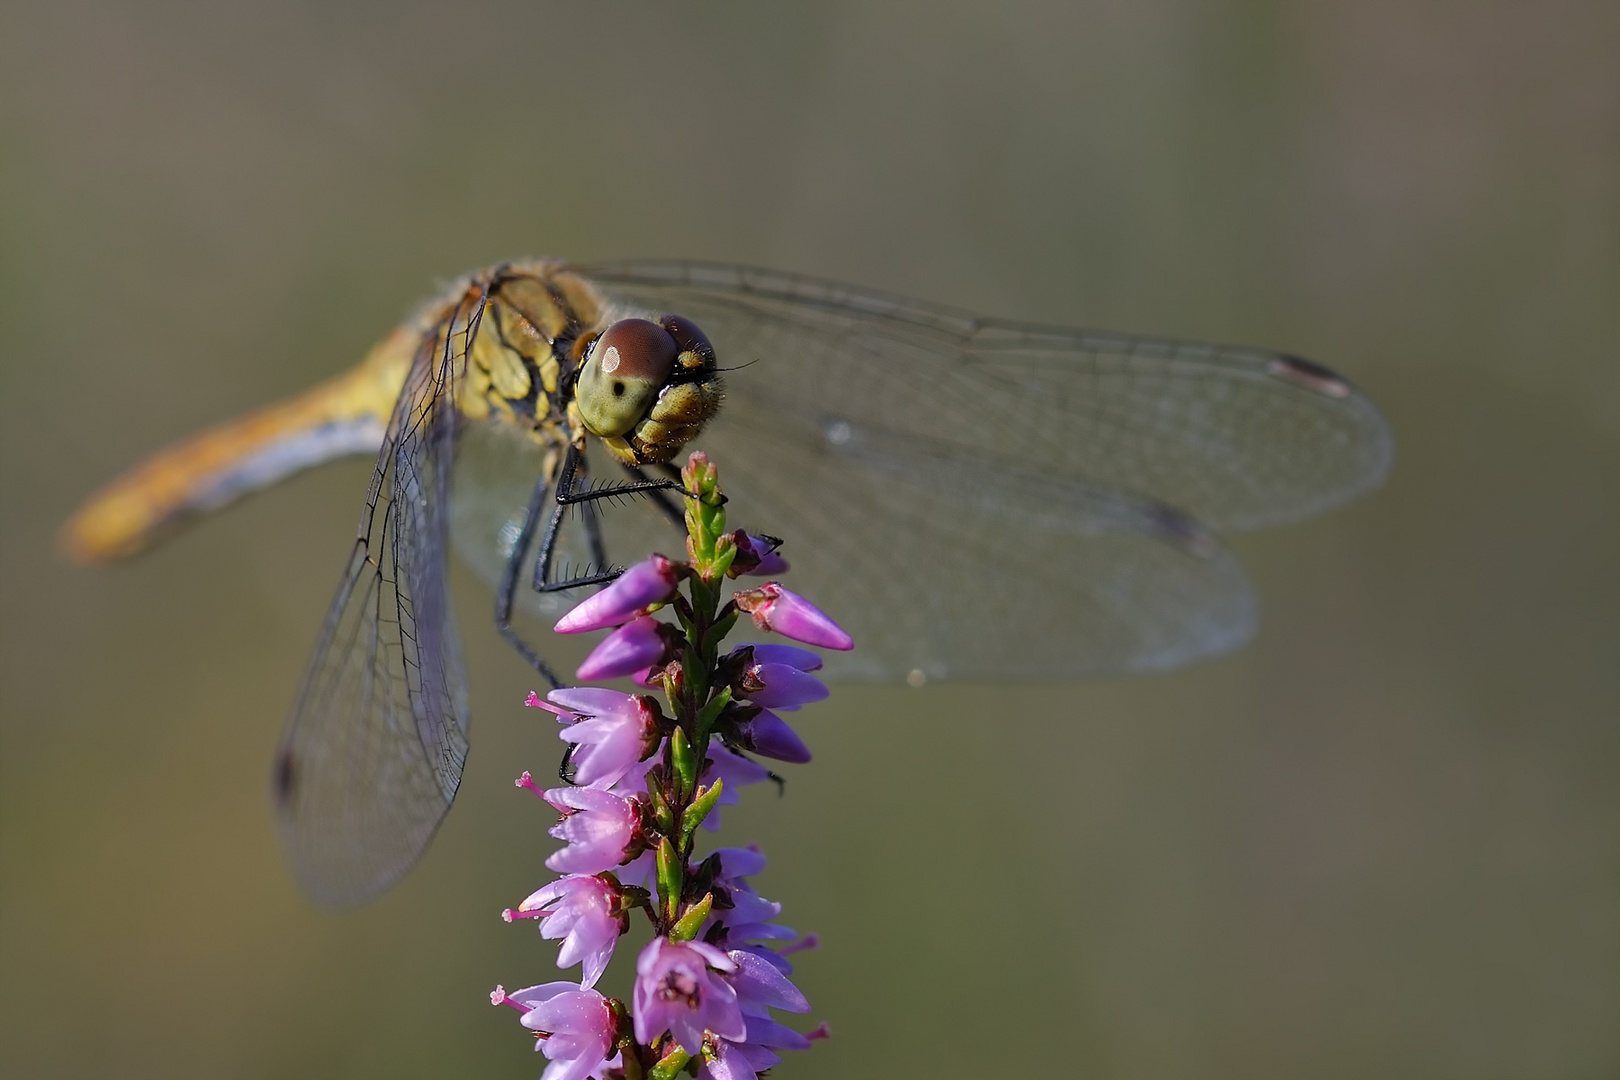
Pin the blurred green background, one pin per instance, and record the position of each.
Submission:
(1384, 840)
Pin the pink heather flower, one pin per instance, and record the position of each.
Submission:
(642, 586)
(770, 735)
(756, 556)
(747, 1059)
(791, 655)
(576, 1027)
(680, 989)
(748, 918)
(741, 862)
(636, 645)
(737, 1061)
(599, 827)
(615, 732)
(584, 912)
(749, 914)
(761, 986)
(780, 686)
(763, 1031)
(791, 615)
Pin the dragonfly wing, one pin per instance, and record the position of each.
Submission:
(375, 747)
(1239, 438)
(496, 469)
(1007, 500)
(953, 566)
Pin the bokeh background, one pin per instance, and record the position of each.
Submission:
(1383, 840)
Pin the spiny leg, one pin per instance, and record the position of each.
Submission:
(541, 582)
(636, 487)
(572, 470)
(506, 591)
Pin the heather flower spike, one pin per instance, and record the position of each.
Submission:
(643, 775)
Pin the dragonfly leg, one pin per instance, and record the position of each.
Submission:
(542, 582)
(573, 470)
(507, 590)
(635, 487)
(660, 498)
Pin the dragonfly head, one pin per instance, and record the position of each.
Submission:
(647, 388)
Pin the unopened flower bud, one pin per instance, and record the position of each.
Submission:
(770, 735)
(643, 586)
(791, 615)
(757, 556)
(638, 644)
(779, 686)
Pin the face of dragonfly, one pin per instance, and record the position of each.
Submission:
(968, 497)
(646, 388)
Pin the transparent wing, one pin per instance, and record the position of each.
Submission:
(495, 473)
(374, 751)
(976, 497)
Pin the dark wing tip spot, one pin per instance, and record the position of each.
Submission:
(286, 777)
(1308, 375)
(1184, 532)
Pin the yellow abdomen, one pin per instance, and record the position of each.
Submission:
(342, 416)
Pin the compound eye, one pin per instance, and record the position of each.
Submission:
(688, 338)
(619, 383)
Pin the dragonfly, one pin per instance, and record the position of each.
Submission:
(969, 497)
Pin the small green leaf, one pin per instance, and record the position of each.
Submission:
(703, 598)
(669, 877)
(711, 712)
(670, 1066)
(694, 814)
(689, 924)
(694, 674)
(686, 763)
(725, 552)
(717, 633)
(663, 814)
